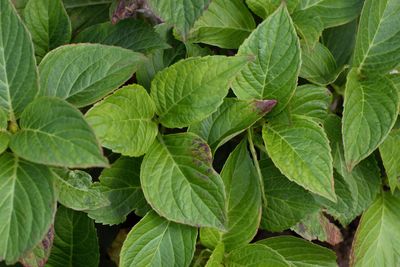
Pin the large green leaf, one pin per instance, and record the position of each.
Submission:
(377, 240)
(180, 13)
(129, 33)
(84, 73)
(224, 24)
(154, 241)
(123, 121)
(244, 200)
(76, 190)
(121, 184)
(48, 24)
(378, 38)
(183, 101)
(390, 154)
(53, 132)
(27, 205)
(75, 242)
(232, 117)
(18, 73)
(179, 182)
(367, 103)
(300, 149)
(287, 203)
(273, 75)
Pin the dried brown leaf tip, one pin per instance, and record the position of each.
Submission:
(264, 106)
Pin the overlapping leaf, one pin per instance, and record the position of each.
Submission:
(390, 154)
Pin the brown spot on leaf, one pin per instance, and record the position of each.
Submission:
(264, 106)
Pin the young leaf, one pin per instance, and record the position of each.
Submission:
(121, 185)
(231, 118)
(76, 191)
(263, 8)
(181, 102)
(180, 13)
(367, 103)
(123, 121)
(390, 154)
(75, 242)
(378, 38)
(84, 73)
(244, 200)
(55, 133)
(301, 152)
(131, 34)
(287, 202)
(48, 24)
(39, 255)
(377, 240)
(154, 241)
(18, 73)
(224, 24)
(217, 256)
(180, 166)
(26, 208)
(274, 73)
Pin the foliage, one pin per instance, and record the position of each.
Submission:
(200, 127)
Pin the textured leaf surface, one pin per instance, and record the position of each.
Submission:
(309, 27)
(76, 191)
(154, 241)
(27, 206)
(121, 185)
(181, 102)
(85, 73)
(123, 121)
(377, 240)
(390, 154)
(39, 255)
(287, 202)
(48, 24)
(263, 8)
(273, 75)
(378, 38)
(224, 24)
(301, 152)
(232, 117)
(244, 200)
(53, 132)
(131, 34)
(18, 74)
(180, 166)
(367, 103)
(75, 242)
(180, 13)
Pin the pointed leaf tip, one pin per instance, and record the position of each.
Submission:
(265, 106)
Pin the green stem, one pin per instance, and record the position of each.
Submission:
(255, 160)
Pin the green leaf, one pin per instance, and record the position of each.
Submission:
(263, 8)
(311, 101)
(180, 13)
(378, 38)
(217, 256)
(49, 25)
(273, 75)
(231, 118)
(131, 34)
(154, 241)
(244, 200)
(224, 24)
(39, 255)
(84, 73)
(123, 121)
(391, 158)
(55, 133)
(377, 240)
(18, 73)
(76, 191)
(180, 166)
(84, 3)
(4, 135)
(367, 103)
(318, 65)
(26, 208)
(75, 242)
(87, 15)
(121, 185)
(181, 102)
(287, 202)
(301, 152)
(255, 255)
(309, 26)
